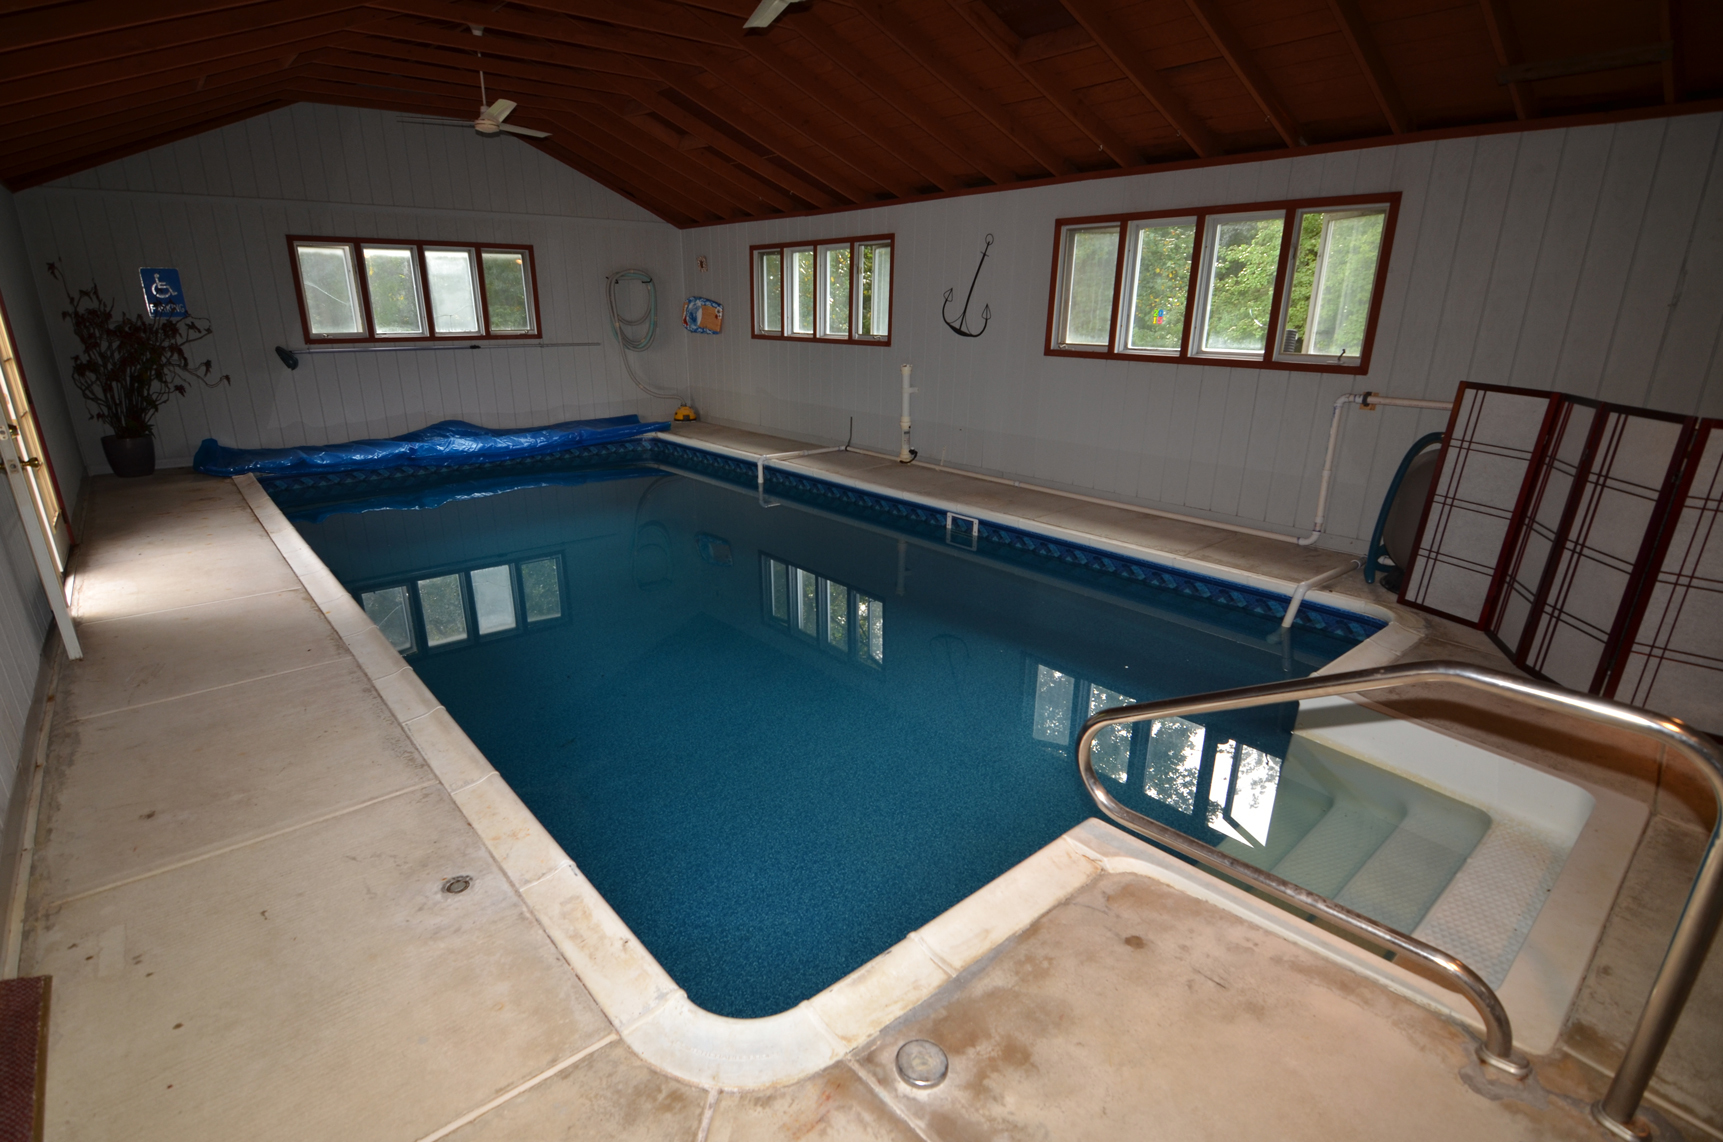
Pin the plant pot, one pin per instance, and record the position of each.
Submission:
(130, 455)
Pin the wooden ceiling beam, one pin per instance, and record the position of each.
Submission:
(912, 157)
(669, 204)
(470, 65)
(699, 129)
(1054, 90)
(1238, 57)
(1060, 42)
(562, 86)
(611, 181)
(1095, 17)
(47, 25)
(759, 128)
(1505, 41)
(1357, 35)
(100, 122)
(158, 91)
(540, 110)
(554, 28)
(122, 129)
(606, 152)
(893, 22)
(170, 63)
(812, 27)
(26, 179)
(175, 34)
(658, 17)
(598, 133)
(536, 50)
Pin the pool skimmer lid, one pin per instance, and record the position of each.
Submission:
(921, 1063)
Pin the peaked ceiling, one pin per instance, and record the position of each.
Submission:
(843, 102)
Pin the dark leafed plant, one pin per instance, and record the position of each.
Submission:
(131, 364)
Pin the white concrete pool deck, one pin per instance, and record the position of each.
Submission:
(238, 890)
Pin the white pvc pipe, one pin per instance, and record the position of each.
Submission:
(1305, 587)
(903, 453)
(1365, 400)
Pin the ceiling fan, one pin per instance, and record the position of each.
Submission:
(768, 11)
(491, 115)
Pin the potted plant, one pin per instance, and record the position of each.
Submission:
(129, 367)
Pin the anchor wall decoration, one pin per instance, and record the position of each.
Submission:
(961, 325)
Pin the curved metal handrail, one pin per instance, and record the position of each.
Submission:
(1693, 931)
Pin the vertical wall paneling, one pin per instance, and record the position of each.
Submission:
(219, 205)
(1588, 259)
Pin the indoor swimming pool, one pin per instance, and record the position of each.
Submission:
(778, 732)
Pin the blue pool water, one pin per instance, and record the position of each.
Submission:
(778, 739)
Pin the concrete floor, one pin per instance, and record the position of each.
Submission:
(237, 889)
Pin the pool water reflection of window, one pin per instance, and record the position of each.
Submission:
(459, 607)
(831, 614)
(1168, 757)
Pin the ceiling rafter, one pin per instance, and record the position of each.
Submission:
(38, 26)
(1505, 40)
(620, 143)
(811, 26)
(175, 34)
(610, 179)
(1054, 90)
(893, 22)
(145, 91)
(1093, 15)
(535, 82)
(1244, 65)
(700, 129)
(901, 150)
(555, 28)
(84, 160)
(1376, 74)
(758, 126)
(206, 54)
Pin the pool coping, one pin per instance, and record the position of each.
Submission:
(640, 999)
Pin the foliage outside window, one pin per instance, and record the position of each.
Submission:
(823, 612)
(1292, 285)
(356, 290)
(837, 290)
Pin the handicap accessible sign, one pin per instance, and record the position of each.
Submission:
(162, 293)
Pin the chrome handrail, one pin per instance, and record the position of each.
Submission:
(1693, 931)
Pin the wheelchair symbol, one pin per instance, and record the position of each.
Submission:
(161, 289)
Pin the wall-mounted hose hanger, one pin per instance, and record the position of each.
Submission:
(961, 325)
(290, 357)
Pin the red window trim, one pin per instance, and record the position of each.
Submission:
(1289, 209)
(419, 246)
(815, 338)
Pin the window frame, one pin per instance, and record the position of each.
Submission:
(524, 625)
(356, 249)
(1189, 352)
(819, 247)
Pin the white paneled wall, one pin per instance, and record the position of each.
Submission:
(1585, 259)
(218, 207)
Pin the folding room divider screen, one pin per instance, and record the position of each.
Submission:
(1583, 538)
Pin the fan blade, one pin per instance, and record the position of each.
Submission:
(499, 110)
(513, 130)
(768, 11)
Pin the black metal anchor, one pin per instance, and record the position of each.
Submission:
(963, 318)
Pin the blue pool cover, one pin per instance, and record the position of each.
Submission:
(445, 444)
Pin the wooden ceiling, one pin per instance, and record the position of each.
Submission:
(844, 102)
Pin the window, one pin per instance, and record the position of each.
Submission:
(1291, 285)
(824, 291)
(455, 609)
(352, 289)
(823, 612)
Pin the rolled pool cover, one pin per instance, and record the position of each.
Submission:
(442, 445)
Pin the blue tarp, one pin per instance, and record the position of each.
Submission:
(444, 444)
(448, 489)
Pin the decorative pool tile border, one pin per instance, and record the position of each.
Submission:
(1003, 541)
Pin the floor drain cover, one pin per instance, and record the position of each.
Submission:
(921, 1063)
(457, 884)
